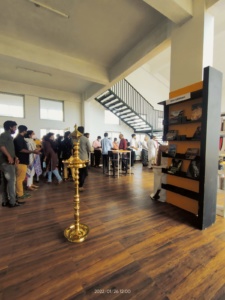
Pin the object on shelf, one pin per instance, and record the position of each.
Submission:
(196, 111)
(171, 135)
(194, 169)
(176, 116)
(172, 150)
(181, 137)
(191, 153)
(197, 134)
(175, 166)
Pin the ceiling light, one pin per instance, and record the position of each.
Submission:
(34, 71)
(39, 4)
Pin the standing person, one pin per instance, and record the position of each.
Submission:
(34, 161)
(39, 158)
(58, 142)
(85, 148)
(106, 145)
(123, 142)
(51, 158)
(8, 160)
(97, 151)
(123, 146)
(144, 152)
(22, 152)
(152, 147)
(133, 147)
(115, 144)
(66, 148)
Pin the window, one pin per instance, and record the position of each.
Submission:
(110, 118)
(51, 110)
(160, 123)
(113, 134)
(11, 105)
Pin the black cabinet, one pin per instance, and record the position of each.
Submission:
(192, 122)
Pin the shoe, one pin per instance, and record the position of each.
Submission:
(30, 188)
(14, 205)
(21, 202)
(4, 204)
(81, 189)
(59, 182)
(25, 196)
(35, 186)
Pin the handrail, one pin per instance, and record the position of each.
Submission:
(125, 91)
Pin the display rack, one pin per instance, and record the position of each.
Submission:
(195, 108)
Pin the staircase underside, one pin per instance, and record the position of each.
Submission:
(125, 113)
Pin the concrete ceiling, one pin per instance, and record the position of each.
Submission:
(99, 43)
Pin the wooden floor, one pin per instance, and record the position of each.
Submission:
(136, 248)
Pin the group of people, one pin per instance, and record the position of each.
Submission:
(24, 157)
(19, 159)
(103, 146)
(149, 151)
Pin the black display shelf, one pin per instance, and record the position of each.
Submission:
(188, 139)
(181, 191)
(210, 94)
(182, 122)
(179, 174)
(179, 156)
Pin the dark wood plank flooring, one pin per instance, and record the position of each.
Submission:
(136, 248)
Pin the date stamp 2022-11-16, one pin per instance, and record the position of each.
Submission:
(112, 291)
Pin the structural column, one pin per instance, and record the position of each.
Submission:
(192, 48)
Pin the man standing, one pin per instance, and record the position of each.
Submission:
(97, 151)
(22, 153)
(123, 142)
(152, 149)
(106, 144)
(85, 148)
(123, 146)
(134, 147)
(8, 160)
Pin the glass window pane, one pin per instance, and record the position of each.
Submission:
(51, 110)
(11, 105)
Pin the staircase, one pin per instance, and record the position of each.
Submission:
(130, 107)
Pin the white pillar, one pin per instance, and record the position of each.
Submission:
(192, 48)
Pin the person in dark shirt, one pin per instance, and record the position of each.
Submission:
(8, 160)
(22, 153)
(66, 149)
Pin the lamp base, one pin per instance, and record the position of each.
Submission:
(75, 236)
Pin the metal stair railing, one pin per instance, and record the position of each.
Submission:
(129, 95)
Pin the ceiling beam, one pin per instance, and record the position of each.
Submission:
(150, 46)
(48, 58)
(210, 3)
(178, 11)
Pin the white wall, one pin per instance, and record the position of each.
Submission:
(94, 122)
(72, 107)
(149, 86)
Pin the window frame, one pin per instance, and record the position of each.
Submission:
(23, 103)
(53, 100)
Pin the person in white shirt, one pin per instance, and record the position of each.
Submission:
(134, 147)
(152, 150)
(97, 151)
(144, 152)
